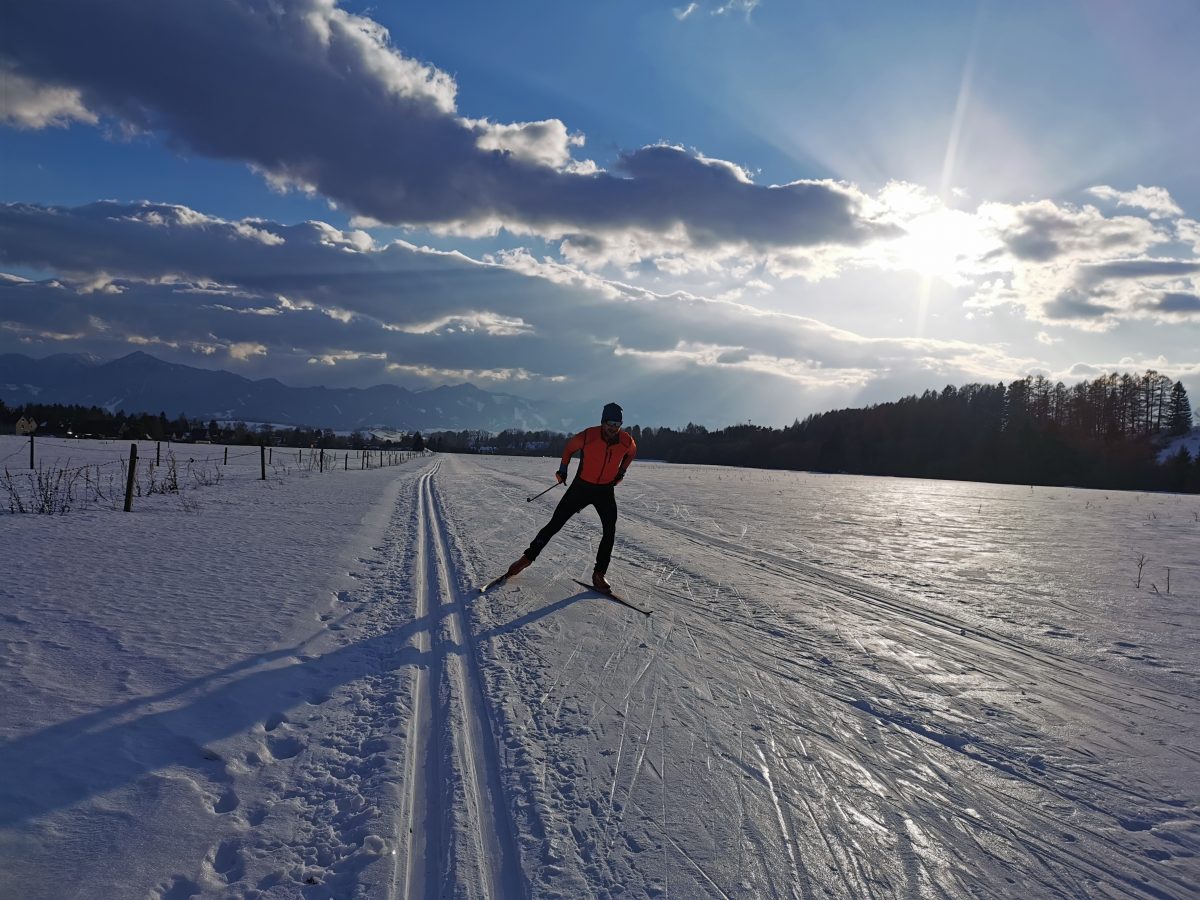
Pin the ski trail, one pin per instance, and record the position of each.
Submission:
(496, 854)
(458, 843)
(426, 832)
(497, 849)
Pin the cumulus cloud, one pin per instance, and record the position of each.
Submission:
(1155, 200)
(312, 302)
(1046, 231)
(318, 98)
(1073, 265)
(25, 103)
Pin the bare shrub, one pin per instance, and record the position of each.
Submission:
(47, 490)
(204, 474)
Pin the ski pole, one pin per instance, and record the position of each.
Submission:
(535, 496)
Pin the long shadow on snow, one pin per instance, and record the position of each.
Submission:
(40, 768)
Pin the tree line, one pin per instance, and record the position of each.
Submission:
(73, 421)
(1103, 433)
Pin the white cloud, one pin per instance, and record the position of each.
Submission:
(1188, 231)
(544, 143)
(734, 6)
(1075, 266)
(470, 322)
(1155, 200)
(334, 357)
(26, 103)
(1081, 371)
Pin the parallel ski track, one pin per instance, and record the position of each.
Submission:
(451, 741)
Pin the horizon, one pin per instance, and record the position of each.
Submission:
(673, 426)
(765, 211)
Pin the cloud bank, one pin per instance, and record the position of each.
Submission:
(317, 98)
(310, 302)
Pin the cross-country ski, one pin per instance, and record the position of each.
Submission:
(613, 595)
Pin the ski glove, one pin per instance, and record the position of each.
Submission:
(561, 474)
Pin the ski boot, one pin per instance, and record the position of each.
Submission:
(519, 566)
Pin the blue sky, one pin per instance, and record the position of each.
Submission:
(710, 212)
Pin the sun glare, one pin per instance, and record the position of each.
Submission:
(943, 243)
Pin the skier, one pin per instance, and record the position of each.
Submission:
(605, 454)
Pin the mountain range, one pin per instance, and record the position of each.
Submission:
(140, 383)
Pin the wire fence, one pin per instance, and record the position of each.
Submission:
(54, 476)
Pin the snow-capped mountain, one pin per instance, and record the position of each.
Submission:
(142, 383)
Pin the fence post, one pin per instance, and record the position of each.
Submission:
(129, 480)
(158, 453)
(262, 460)
(271, 455)
(226, 456)
(321, 463)
(346, 465)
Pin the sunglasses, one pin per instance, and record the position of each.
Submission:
(612, 423)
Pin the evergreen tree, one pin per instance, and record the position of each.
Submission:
(418, 442)
(1179, 415)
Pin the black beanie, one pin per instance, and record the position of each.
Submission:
(612, 413)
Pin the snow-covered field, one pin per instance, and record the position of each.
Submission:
(849, 687)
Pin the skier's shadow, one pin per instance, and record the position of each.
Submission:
(62, 764)
(529, 618)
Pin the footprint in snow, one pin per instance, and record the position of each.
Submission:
(178, 888)
(284, 747)
(226, 803)
(226, 861)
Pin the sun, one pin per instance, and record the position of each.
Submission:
(941, 243)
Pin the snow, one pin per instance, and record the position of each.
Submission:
(1170, 448)
(849, 687)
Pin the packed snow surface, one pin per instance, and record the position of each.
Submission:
(849, 687)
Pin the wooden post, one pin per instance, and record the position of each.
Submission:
(226, 456)
(129, 479)
(158, 453)
(346, 466)
(270, 454)
(321, 463)
(262, 459)
(300, 455)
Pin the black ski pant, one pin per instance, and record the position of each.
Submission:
(579, 495)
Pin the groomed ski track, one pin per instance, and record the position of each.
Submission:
(459, 836)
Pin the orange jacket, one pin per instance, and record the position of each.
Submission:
(601, 462)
